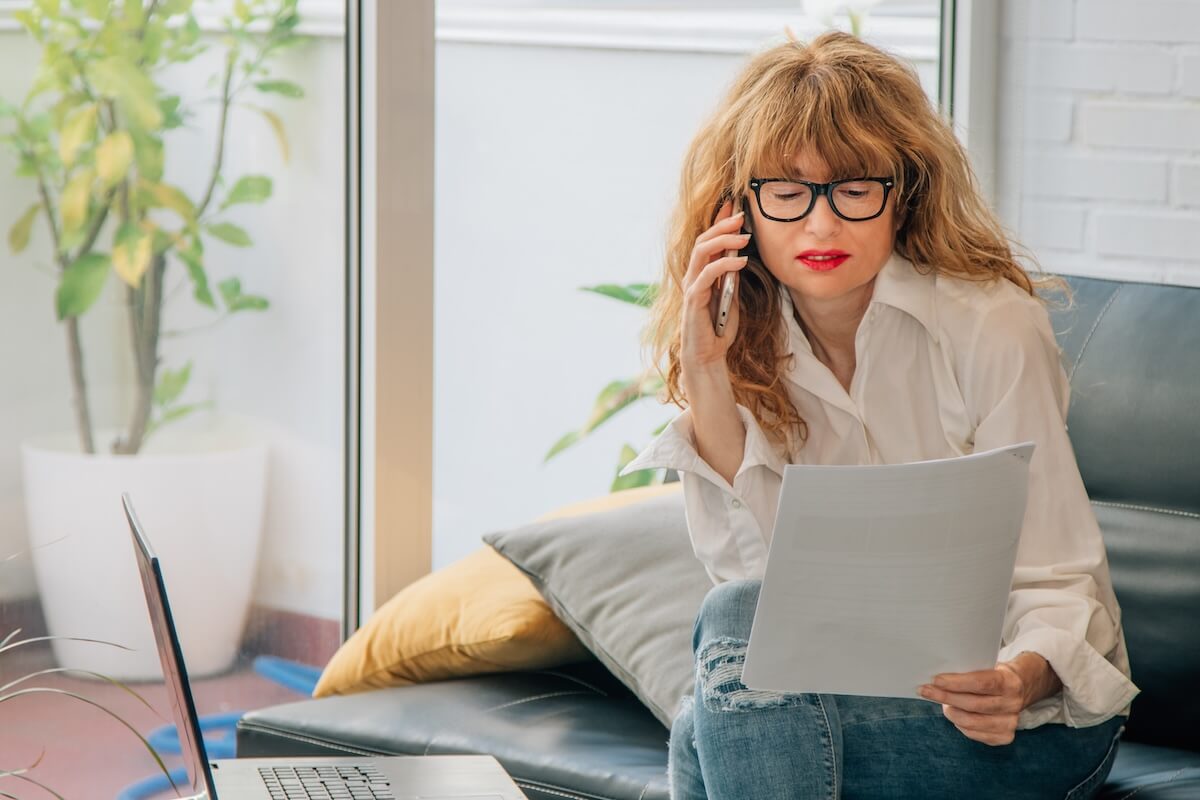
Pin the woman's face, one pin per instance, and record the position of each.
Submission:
(861, 248)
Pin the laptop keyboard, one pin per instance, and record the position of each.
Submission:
(326, 783)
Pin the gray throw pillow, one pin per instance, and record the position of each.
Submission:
(627, 583)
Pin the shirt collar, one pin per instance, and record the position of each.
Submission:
(901, 286)
(898, 285)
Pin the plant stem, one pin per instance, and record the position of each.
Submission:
(83, 414)
(220, 157)
(145, 307)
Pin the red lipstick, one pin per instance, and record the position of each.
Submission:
(822, 260)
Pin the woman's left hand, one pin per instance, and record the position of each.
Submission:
(984, 705)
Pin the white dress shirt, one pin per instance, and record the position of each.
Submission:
(943, 366)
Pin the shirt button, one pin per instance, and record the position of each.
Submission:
(736, 503)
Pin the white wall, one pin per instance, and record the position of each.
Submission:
(283, 368)
(556, 168)
(1099, 163)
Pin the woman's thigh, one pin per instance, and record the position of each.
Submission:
(897, 748)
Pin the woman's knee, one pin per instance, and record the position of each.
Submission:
(726, 613)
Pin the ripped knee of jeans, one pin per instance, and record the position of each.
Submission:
(719, 667)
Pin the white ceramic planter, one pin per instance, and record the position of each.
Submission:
(200, 497)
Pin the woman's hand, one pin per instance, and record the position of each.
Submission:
(984, 705)
(700, 347)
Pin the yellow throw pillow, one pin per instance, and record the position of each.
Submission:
(478, 615)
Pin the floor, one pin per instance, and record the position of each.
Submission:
(82, 753)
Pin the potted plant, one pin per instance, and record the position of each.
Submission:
(91, 136)
(619, 395)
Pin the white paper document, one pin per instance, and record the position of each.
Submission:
(880, 577)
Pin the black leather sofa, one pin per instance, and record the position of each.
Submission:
(1133, 355)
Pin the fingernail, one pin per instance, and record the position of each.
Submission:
(738, 214)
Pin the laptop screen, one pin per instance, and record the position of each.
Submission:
(179, 691)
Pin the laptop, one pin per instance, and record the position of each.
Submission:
(444, 777)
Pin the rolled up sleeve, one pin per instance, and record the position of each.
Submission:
(1061, 605)
(729, 525)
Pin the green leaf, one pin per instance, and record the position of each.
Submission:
(114, 157)
(18, 235)
(192, 258)
(75, 197)
(148, 153)
(639, 294)
(7, 109)
(164, 195)
(566, 441)
(231, 293)
(26, 167)
(131, 253)
(78, 131)
(276, 123)
(228, 232)
(169, 106)
(130, 85)
(96, 9)
(171, 384)
(248, 189)
(29, 21)
(285, 88)
(172, 7)
(81, 285)
(612, 398)
(135, 13)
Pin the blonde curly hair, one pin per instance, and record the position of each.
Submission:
(862, 112)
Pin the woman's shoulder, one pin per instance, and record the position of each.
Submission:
(994, 309)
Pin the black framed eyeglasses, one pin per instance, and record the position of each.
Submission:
(853, 199)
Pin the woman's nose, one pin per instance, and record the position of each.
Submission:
(821, 222)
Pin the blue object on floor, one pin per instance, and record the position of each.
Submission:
(289, 674)
(165, 739)
(148, 787)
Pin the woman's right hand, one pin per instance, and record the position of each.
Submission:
(700, 347)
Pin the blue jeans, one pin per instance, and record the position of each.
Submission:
(733, 743)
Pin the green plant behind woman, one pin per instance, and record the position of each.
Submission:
(91, 135)
(619, 395)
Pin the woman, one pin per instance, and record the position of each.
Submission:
(880, 317)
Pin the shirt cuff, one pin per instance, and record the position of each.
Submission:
(1093, 689)
(675, 448)
(759, 450)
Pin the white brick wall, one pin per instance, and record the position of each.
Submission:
(1099, 148)
(1189, 83)
(1187, 184)
(1159, 21)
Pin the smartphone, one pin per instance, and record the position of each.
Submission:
(729, 281)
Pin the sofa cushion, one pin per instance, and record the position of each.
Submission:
(1152, 773)
(573, 732)
(1132, 351)
(628, 584)
(477, 615)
